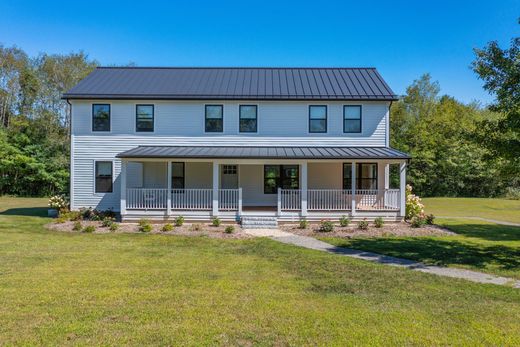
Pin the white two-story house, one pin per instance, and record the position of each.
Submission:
(285, 143)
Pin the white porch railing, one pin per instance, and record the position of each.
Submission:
(228, 199)
(329, 199)
(374, 199)
(290, 199)
(146, 198)
(192, 199)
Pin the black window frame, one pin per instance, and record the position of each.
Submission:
(240, 118)
(347, 181)
(137, 130)
(352, 119)
(182, 178)
(109, 118)
(326, 119)
(96, 177)
(206, 118)
(282, 178)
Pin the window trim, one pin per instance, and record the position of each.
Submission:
(326, 120)
(206, 115)
(109, 120)
(239, 119)
(281, 177)
(360, 120)
(153, 119)
(95, 176)
(183, 173)
(358, 177)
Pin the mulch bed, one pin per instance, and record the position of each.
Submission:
(188, 229)
(389, 229)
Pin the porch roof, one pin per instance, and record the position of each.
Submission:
(282, 152)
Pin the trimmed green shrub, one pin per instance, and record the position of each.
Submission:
(144, 226)
(107, 222)
(179, 221)
(229, 229)
(77, 226)
(61, 219)
(417, 222)
(114, 227)
(344, 221)
(304, 224)
(326, 226)
(363, 225)
(89, 229)
(167, 227)
(379, 222)
(430, 219)
(216, 222)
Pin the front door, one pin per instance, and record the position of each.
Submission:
(229, 177)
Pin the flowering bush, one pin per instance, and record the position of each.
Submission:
(414, 206)
(58, 202)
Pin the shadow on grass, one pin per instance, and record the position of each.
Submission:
(442, 252)
(26, 211)
(490, 232)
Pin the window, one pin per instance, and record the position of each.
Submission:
(144, 118)
(280, 176)
(229, 169)
(214, 118)
(177, 175)
(317, 119)
(248, 119)
(352, 119)
(366, 176)
(103, 177)
(100, 117)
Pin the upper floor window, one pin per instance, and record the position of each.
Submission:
(144, 118)
(214, 118)
(248, 118)
(318, 119)
(103, 177)
(100, 117)
(366, 176)
(352, 118)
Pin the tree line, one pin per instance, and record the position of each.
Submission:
(458, 149)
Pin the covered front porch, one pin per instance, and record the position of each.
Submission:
(200, 189)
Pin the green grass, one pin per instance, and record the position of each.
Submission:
(497, 209)
(111, 289)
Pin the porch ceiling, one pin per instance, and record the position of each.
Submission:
(243, 152)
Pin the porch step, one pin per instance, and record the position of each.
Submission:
(259, 222)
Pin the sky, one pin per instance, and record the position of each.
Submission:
(402, 39)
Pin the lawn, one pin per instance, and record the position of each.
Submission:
(107, 289)
(497, 209)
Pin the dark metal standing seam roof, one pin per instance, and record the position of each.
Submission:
(232, 84)
(239, 152)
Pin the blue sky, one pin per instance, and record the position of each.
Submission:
(402, 39)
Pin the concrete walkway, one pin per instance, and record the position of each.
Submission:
(312, 243)
(484, 220)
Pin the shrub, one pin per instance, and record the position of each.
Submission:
(179, 221)
(77, 226)
(114, 227)
(326, 226)
(216, 222)
(363, 225)
(73, 216)
(58, 202)
(61, 220)
(417, 221)
(144, 226)
(414, 206)
(196, 227)
(229, 229)
(89, 229)
(86, 213)
(304, 224)
(344, 221)
(512, 193)
(430, 219)
(167, 227)
(107, 222)
(379, 222)
(143, 221)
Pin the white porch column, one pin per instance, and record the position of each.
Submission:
(216, 168)
(387, 176)
(402, 187)
(353, 187)
(239, 201)
(169, 186)
(304, 189)
(122, 175)
(279, 201)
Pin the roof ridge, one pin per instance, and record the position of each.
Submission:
(242, 67)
